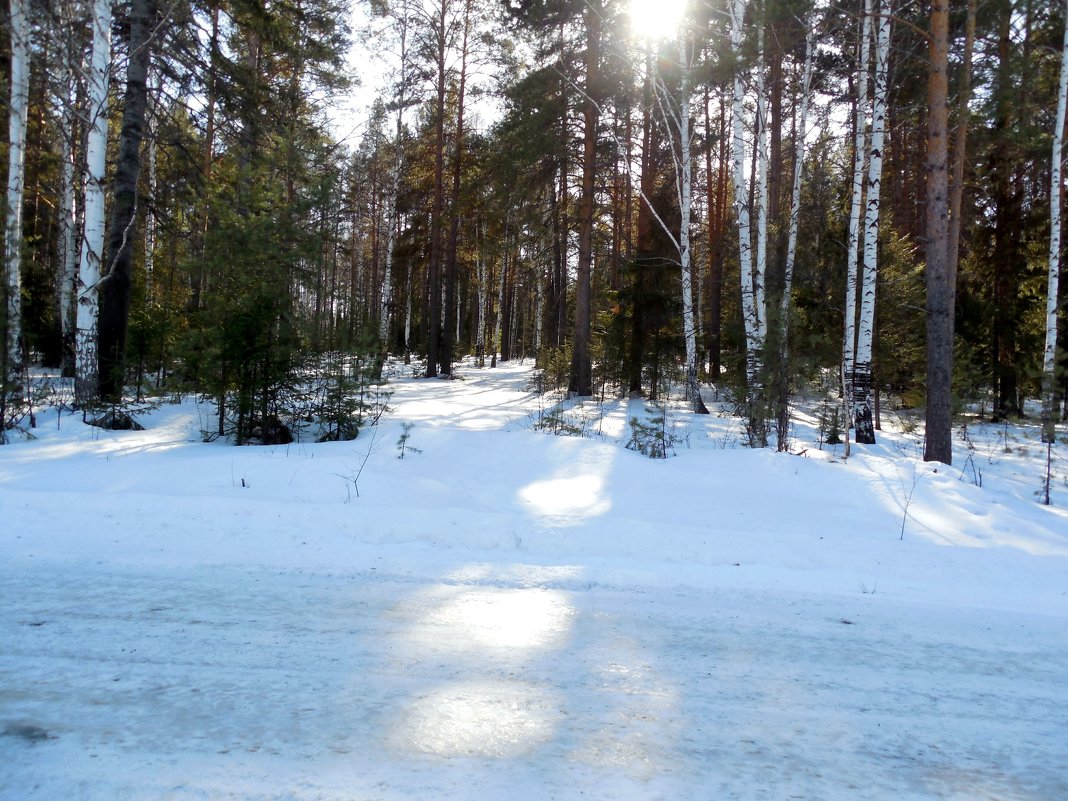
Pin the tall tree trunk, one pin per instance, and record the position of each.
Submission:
(117, 284)
(450, 337)
(17, 119)
(752, 313)
(795, 193)
(86, 369)
(785, 301)
(717, 194)
(67, 262)
(681, 111)
(760, 265)
(862, 366)
(956, 187)
(1008, 256)
(580, 382)
(395, 178)
(643, 245)
(860, 149)
(199, 278)
(153, 180)
(483, 301)
(434, 283)
(940, 290)
(1056, 187)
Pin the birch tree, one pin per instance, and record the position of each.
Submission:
(401, 100)
(17, 111)
(785, 302)
(860, 148)
(67, 261)
(754, 314)
(1049, 354)
(861, 378)
(795, 193)
(676, 110)
(86, 372)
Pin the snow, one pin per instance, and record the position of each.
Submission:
(507, 614)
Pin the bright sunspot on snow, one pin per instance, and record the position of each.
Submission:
(506, 618)
(656, 19)
(487, 718)
(566, 501)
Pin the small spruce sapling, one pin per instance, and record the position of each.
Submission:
(402, 441)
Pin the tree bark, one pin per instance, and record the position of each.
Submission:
(1007, 253)
(686, 50)
(862, 366)
(956, 188)
(1049, 354)
(395, 177)
(448, 341)
(860, 148)
(434, 284)
(117, 284)
(86, 369)
(17, 119)
(580, 382)
(750, 312)
(940, 289)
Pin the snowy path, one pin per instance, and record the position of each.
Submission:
(512, 682)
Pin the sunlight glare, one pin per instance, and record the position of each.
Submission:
(490, 718)
(508, 618)
(566, 501)
(656, 19)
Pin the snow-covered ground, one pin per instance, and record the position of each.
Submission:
(507, 614)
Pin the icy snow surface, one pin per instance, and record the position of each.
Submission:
(506, 614)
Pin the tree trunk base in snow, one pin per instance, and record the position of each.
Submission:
(862, 423)
(693, 394)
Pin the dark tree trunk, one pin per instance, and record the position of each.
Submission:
(117, 284)
(580, 382)
(1007, 227)
(642, 248)
(940, 288)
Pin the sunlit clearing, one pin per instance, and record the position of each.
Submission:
(656, 19)
(480, 718)
(507, 618)
(566, 501)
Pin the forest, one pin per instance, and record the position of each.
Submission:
(750, 199)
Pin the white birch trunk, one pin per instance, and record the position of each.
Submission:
(539, 309)
(860, 148)
(750, 314)
(67, 263)
(20, 98)
(500, 311)
(408, 318)
(760, 268)
(1049, 355)
(391, 239)
(677, 113)
(86, 370)
(483, 296)
(150, 214)
(862, 365)
(795, 195)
